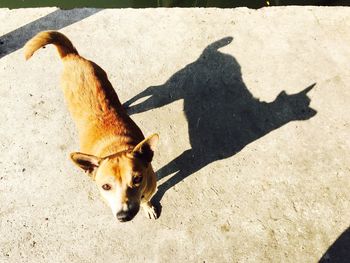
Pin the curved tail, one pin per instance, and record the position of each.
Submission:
(62, 43)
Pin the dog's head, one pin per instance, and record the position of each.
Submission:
(122, 177)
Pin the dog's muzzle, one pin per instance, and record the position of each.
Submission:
(129, 213)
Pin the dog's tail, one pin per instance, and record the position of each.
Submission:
(62, 43)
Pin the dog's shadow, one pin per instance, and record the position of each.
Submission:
(339, 251)
(223, 116)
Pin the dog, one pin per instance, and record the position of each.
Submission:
(114, 151)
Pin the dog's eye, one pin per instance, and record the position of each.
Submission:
(106, 187)
(137, 180)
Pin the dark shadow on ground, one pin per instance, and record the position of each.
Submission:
(56, 20)
(223, 116)
(339, 251)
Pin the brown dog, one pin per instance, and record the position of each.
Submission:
(114, 150)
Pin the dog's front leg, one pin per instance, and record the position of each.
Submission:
(149, 209)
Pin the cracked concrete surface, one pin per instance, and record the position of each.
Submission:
(252, 167)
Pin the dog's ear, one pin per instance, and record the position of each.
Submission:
(145, 149)
(87, 162)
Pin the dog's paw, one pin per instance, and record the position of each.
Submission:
(150, 211)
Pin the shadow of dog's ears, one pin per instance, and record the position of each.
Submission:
(297, 103)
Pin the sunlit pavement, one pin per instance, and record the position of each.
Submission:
(253, 160)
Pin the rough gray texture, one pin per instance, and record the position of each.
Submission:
(250, 174)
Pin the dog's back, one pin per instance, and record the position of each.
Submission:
(91, 99)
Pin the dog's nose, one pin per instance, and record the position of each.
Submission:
(128, 212)
(124, 216)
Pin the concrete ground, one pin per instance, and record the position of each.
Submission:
(253, 165)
